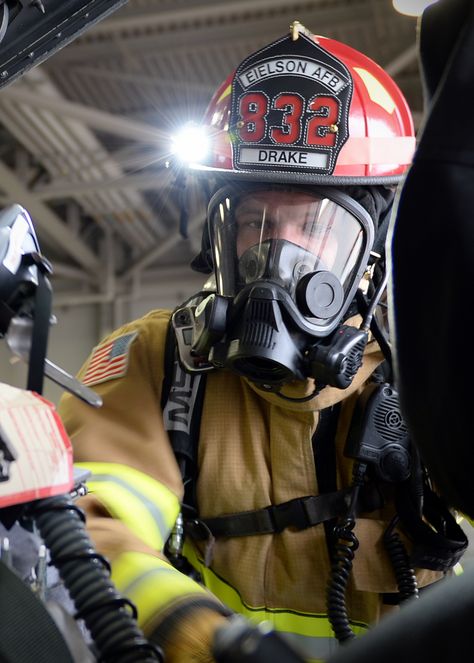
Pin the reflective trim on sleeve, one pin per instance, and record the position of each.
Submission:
(311, 633)
(151, 583)
(147, 507)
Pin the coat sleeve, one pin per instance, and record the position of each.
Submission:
(135, 487)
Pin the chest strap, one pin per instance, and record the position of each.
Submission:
(300, 513)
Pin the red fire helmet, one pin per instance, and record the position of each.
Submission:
(309, 109)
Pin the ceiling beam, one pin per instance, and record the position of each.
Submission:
(212, 12)
(96, 119)
(162, 249)
(68, 272)
(402, 61)
(141, 79)
(47, 221)
(186, 38)
(76, 189)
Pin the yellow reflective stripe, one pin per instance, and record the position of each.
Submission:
(312, 632)
(151, 583)
(458, 569)
(225, 93)
(147, 507)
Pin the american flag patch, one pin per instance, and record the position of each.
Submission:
(109, 360)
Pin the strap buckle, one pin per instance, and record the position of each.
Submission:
(290, 514)
(197, 530)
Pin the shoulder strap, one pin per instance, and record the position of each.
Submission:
(182, 399)
(324, 449)
(169, 355)
(324, 452)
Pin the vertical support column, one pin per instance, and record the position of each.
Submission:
(105, 322)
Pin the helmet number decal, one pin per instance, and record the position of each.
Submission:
(253, 113)
(317, 128)
(290, 108)
(321, 128)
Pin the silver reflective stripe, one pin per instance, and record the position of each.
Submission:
(129, 589)
(178, 411)
(152, 509)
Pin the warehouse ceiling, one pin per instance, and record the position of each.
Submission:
(85, 136)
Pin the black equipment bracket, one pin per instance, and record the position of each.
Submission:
(31, 31)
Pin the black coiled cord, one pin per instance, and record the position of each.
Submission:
(343, 553)
(343, 556)
(404, 574)
(85, 574)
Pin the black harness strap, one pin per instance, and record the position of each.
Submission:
(324, 452)
(182, 400)
(300, 513)
(324, 449)
(169, 357)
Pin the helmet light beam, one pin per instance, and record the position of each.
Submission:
(190, 144)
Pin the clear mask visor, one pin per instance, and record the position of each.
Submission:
(280, 234)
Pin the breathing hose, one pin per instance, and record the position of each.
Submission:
(109, 617)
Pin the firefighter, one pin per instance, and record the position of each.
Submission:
(309, 141)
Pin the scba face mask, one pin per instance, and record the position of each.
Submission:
(287, 263)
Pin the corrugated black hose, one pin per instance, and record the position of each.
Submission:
(109, 617)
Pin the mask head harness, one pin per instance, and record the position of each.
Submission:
(302, 167)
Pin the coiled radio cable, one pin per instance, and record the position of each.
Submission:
(404, 574)
(345, 545)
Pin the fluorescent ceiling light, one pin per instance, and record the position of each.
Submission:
(411, 7)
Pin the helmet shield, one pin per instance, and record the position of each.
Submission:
(309, 110)
(311, 245)
(290, 108)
